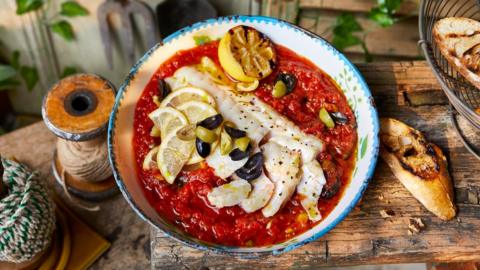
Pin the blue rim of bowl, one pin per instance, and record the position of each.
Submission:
(226, 249)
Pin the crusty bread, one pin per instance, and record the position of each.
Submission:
(419, 165)
(459, 42)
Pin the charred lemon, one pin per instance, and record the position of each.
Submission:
(246, 54)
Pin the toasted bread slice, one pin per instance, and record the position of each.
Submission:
(419, 165)
(459, 42)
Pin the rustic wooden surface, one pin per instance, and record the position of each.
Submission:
(407, 7)
(406, 91)
(399, 40)
(396, 42)
(116, 221)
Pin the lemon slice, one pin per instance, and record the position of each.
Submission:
(246, 54)
(172, 155)
(168, 120)
(247, 86)
(150, 160)
(216, 73)
(196, 111)
(185, 94)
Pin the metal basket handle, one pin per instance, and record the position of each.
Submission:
(471, 148)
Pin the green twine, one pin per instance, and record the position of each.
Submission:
(27, 214)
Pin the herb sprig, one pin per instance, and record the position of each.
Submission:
(61, 27)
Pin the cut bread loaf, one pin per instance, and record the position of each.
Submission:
(459, 42)
(419, 165)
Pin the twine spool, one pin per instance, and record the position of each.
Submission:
(27, 214)
(77, 109)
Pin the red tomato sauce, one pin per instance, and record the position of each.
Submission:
(185, 203)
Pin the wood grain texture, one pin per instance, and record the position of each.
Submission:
(364, 236)
(116, 221)
(407, 7)
(398, 40)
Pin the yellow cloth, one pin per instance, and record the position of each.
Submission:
(87, 245)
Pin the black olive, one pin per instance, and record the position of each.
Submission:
(203, 148)
(252, 169)
(330, 191)
(235, 133)
(339, 118)
(163, 88)
(238, 154)
(288, 79)
(211, 122)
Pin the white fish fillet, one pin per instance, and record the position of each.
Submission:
(283, 168)
(231, 111)
(223, 165)
(229, 194)
(258, 118)
(262, 190)
(310, 187)
(175, 83)
(285, 133)
(282, 130)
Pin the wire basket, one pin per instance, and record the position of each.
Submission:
(463, 96)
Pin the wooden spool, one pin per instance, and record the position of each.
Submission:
(77, 109)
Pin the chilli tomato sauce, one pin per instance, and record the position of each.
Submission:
(185, 202)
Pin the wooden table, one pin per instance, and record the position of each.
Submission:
(116, 221)
(409, 92)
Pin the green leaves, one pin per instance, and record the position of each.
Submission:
(30, 76)
(15, 60)
(68, 9)
(200, 40)
(64, 29)
(344, 36)
(67, 71)
(384, 13)
(343, 30)
(381, 18)
(72, 9)
(390, 5)
(25, 6)
(6, 72)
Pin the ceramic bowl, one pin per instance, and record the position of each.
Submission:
(301, 41)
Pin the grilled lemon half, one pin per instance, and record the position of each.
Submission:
(246, 54)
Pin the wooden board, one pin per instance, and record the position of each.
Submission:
(407, 7)
(398, 40)
(406, 91)
(116, 221)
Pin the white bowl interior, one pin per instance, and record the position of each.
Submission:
(301, 42)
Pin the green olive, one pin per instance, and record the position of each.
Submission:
(205, 134)
(226, 144)
(279, 90)
(242, 143)
(326, 118)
